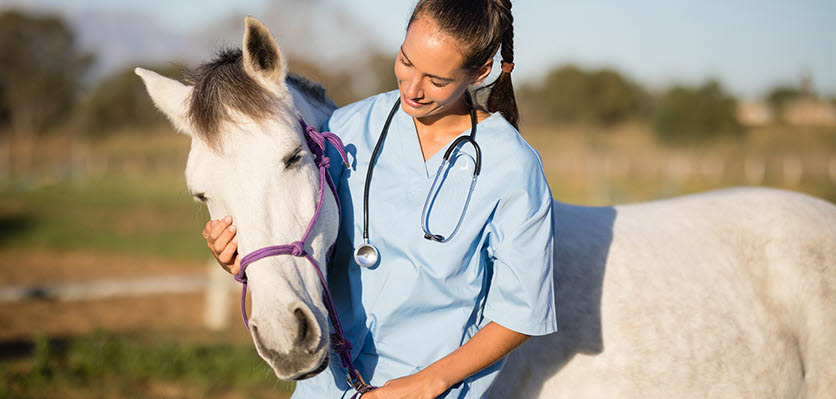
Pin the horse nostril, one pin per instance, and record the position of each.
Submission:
(302, 333)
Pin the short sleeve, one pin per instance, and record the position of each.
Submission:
(521, 292)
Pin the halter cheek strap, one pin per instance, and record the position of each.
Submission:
(339, 343)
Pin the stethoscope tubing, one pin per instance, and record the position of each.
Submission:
(369, 172)
(424, 219)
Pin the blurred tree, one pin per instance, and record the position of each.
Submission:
(690, 115)
(779, 97)
(337, 84)
(40, 71)
(120, 100)
(382, 68)
(4, 110)
(570, 94)
(344, 87)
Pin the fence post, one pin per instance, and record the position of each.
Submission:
(793, 169)
(831, 168)
(754, 168)
(216, 312)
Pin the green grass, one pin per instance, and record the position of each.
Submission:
(138, 366)
(138, 204)
(140, 215)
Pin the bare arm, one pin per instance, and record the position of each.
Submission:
(491, 343)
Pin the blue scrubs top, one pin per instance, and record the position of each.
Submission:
(424, 299)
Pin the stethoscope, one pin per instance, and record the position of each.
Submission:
(366, 255)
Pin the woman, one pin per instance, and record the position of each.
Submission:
(434, 318)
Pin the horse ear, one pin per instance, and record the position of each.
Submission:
(169, 96)
(262, 56)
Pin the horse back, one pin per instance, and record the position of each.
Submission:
(727, 293)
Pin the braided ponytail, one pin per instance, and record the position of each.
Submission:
(483, 27)
(502, 97)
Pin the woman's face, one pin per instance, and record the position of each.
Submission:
(428, 67)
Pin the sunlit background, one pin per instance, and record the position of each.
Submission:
(105, 288)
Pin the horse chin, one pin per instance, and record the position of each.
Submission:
(322, 366)
(303, 375)
(307, 357)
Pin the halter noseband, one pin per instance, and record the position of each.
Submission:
(339, 343)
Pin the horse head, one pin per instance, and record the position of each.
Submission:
(249, 159)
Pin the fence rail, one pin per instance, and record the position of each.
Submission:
(216, 284)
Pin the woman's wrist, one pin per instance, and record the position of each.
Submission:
(436, 379)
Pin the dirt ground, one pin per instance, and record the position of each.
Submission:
(22, 321)
(171, 315)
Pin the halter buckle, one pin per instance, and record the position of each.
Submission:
(358, 384)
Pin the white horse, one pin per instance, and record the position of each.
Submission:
(730, 293)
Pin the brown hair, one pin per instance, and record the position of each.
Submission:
(482, 27)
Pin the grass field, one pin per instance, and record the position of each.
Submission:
(124, 197)
(143, 214)
(161, 365)
(131, 199)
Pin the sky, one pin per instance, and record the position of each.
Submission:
(751, 46)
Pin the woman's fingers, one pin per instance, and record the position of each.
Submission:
(224, 239)
(219, 226)
(205, 232)
(236, 263)
(227, 255)
(221, 240)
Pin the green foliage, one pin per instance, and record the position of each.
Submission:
(40, 71)
(778, 97)
(570, 94)
(347, 87)
(699, 114)
(120, 101)
(140, 215)
(130, 363)
(40, 359)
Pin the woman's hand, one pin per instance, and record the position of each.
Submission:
(222, 241)
(417, 386)
(491, 343)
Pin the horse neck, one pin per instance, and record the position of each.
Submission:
(313, 111)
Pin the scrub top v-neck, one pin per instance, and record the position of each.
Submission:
(423, 299)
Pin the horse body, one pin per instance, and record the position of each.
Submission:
(729, 293)
(722, 294)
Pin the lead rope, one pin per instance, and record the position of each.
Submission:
(339, 343)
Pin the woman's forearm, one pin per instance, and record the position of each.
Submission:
(488, 345)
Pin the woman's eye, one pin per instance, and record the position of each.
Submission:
(403, 61)
(437, 84)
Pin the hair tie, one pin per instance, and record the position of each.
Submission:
(507, 67)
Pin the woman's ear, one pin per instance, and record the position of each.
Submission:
(483, 73)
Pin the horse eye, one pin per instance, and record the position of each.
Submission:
(201, 197)
(293, 158)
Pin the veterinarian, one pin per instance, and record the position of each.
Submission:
(461, 273)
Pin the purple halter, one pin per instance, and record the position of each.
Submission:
(339, 343)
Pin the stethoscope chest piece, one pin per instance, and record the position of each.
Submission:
(366, 255)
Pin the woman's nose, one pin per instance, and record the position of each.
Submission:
(412, 88)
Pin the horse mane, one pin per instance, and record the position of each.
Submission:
(222, 86)
(311, 90)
